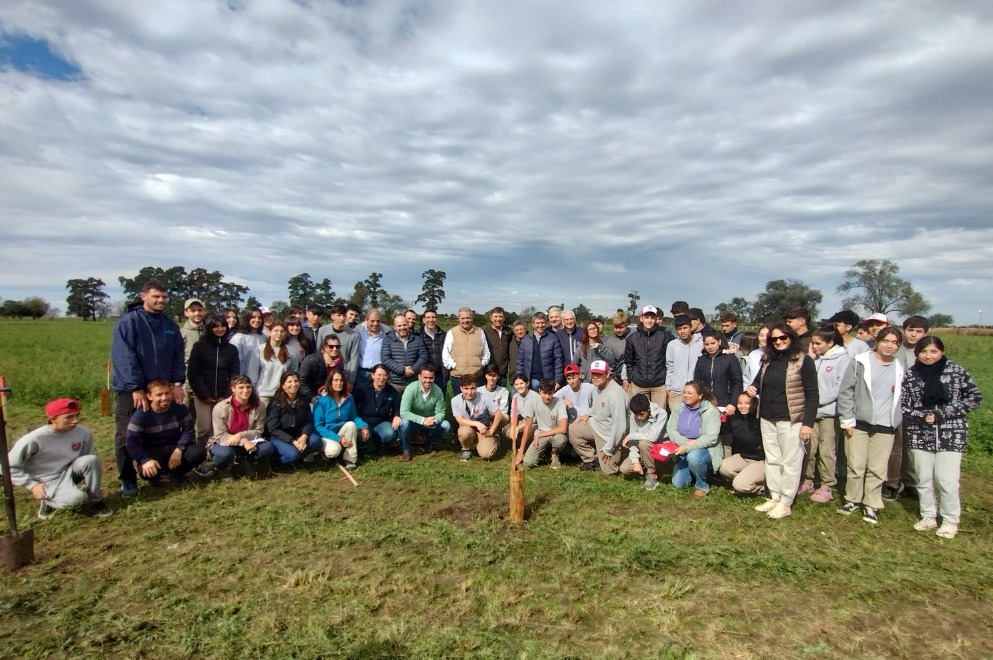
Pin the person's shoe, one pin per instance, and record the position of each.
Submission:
(821, 495)
(947, 530)
(589, 466)
(766, 506)
(892, 492)
(251, 469)
(651, 482)
(848, 508)
(699, 494)
(911, 492)
(556, 462)
(351, 467)
(405, 457)
(309, 458)
(45, 510)
(224, 474)
(781, 511)
(263, 468)
(870, 515)
(925, 524)
(99, 509)
(806, 487)
(466, 455)
(129, 489)
(203, 471)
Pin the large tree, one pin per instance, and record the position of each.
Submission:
(780, 296)
(738, 306)
(208, 286)
(373, 288)
(86, 298)
(583, 314)
(633, 299)
(301, 289)
(433, 290)
(877, 287)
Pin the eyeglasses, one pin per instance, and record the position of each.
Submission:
(778, 338)
(338, 346)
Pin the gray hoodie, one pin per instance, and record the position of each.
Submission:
(831, 368)
(855, 395)
(680, 361)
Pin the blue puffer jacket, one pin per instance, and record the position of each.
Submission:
(395, 356)
(146, 346)
(550, 354)
(329, 416)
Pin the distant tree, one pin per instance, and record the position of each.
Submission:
(633, 299)
(941, 320)
(85, 297)
(433, 290)
(390, 306)
(323, 294)
(35, 307)
(53, 312)
(12, 309)
(252, 303)
(737, 306)
(208, 286)
(360, 295)
(528, 313)
(583, 314)
(280, 309)
(780, 296)
(882, 289)
(373, 288)
(301, 289)
(118, 307)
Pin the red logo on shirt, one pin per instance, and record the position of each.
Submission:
(76, 446)
(828, 369)
(603, 404)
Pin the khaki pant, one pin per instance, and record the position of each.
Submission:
(867, 455)
(821, 452)
(333, 448)
(656, 395)
(673, 399)
(205, 423)
(486, 446)
(783, 459)
(745, 474)
(588, 445)
(536, 454)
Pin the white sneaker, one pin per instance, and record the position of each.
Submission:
(780, 512)
(947, 531)
(766, 506)
(925, 524)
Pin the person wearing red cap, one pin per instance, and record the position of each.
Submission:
(51, 460)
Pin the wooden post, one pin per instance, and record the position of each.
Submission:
(16, 548)
(516, 473)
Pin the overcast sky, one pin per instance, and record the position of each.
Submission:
(538, 152)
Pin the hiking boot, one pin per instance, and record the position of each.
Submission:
(129, 489)
(651, 482)
(466, 455)
(556, 463)
(99, 509)
(766, 506)
(821, 495)
(203, 471)
(405, 457)
(225, 475)
(925, 524)
(947, 530)
(870, 515)
(589, 466)
(45, 510)
(848, 508)
(780, 511)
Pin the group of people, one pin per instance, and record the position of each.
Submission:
(787, 411)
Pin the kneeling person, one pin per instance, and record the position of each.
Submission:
(161, 439)
(547, 420)
(51, 460)
(478, 418)
(646, 424)
(239, 424)
(423, 408)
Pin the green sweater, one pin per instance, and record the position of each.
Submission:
(415, 407)
(710, 431)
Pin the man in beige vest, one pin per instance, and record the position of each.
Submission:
(465, 351)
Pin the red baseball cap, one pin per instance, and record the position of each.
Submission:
(572, 369)
(61, 407)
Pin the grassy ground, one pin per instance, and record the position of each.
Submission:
(420, 561)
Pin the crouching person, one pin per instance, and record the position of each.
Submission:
(422, 408)
(547, 421)
(479, 420)
(695, 426)
(51, 460)
(239, 422)
(337, 420)
(646, 423)
(161, 438)
(745, 467)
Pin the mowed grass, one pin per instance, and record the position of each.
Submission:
(421, 561)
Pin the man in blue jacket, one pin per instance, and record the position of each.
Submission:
(540, 354)
(147, 345)
(403, 353)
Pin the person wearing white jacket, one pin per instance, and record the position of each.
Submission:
(869, 408)
(269, 362)
(831, 362)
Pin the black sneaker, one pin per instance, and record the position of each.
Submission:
(99, 509)
(45, 510)
(892, 492)
(848, 508)
(129, 489)
(203, 471)
(589, 466)
(870, 515)
(466, 455)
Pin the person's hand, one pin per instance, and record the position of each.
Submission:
(150, 468)
(365, 434)
(235, 440)
(730, 410)
(178, 395)
(397, 423)
(582, 418)
(408, 372)
(428, 421)
(38, 491)
(680, 451)
(732, 348)
(568, 403)
(691, 443)
(139, 399)
(806, 432)
(519, 458)
(300, 444)
(249, 446)
(346, 443)
(849, 433)
(624, 442)
(752, 391)
(930, 418)
(625, 385)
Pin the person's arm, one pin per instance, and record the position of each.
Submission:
(968, 397)
(672, 426)
(846, 396)
(420, 354)
(439, 405)
(670, 365)
(558, 362)
(808, 375)
(521, 350)
(194, 373)
(20, 458)
(219, 417)
(321, 425)
(619, 417)
(177, 372)
(386, 357)
(446, 352)
(407, 404)
(486, 355)
(710, 428)
(734, 373)
(132, 437)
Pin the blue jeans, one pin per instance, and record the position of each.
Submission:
(692, 467)
(223, 454)
(434, 433)
(288, 454)
(384, 432)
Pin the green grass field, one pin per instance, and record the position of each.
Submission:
(420, 560)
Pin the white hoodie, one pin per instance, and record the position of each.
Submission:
(831, 368)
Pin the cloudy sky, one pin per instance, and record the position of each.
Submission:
(537, 151)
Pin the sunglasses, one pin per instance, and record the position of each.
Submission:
(338, 346)
(778, 338)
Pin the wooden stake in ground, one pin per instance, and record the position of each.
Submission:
(516, 473)
(105, 395)
(349, 475)
(16, 549)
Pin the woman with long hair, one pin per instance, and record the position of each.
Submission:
(271, 360)
(248, 337)
(937, 395)
(213, 363)
(230, 317)
(753, 359)
(592, 347)
(720, 373)
(695, 426)
(289, 423)
(787, 389)
(337, 421)
(239, 423)
(296, 342)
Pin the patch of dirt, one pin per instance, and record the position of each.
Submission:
(472, 506)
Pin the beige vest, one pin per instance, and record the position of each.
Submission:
(467, 351)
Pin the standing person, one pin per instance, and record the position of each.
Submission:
(540, 355)
(745, 468)
(52, 460)
(465, 350)
(720, 374)
(411, 317)
(749, 342)
(248, 338)
(617, 342)
(555, 318)
(844, 322)
(371, 336)
(353, 314)
(192, 331)
(549, 421)
(403, 354)
(520, 331)
(569, 337)
(239, 431)
(147, 346)
(753, 359)
(348, 340)
(869, 409)
(289, 423)
(337, 421)
(378, 404)
(798, 318)
(936, 397)
(873, 324)
(698, 321)
(423, 409)
(297, 344)
(271, 360)
(231, 317)
(160, 437)
(678, 308)
(681, 355)
(695, 427)
(312, 326)
(645, 358)
(597, 436)
(478, 421)
(787, 387)
(732, 335)
(831, 362)
(900, 469)
(592, 348)
(433, 338)
(498, 338)
(213, 363)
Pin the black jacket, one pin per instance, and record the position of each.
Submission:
(213, 363)
(313, 374)
(644, 355)
(287, 423)
(720, 374)
(376, 407)
(746, 436)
